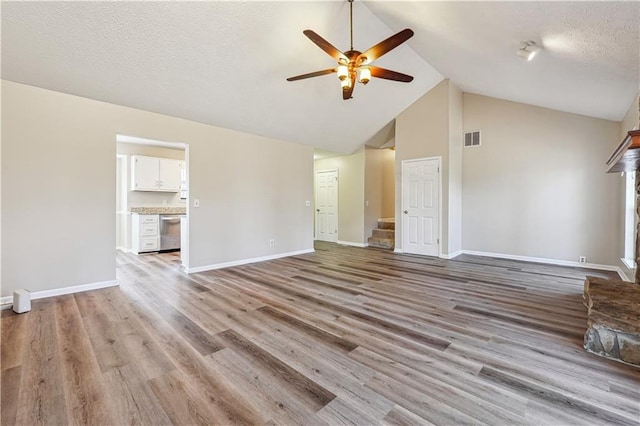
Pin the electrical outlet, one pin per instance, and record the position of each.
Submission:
(583, 259)
(196, 203)
(272, 243)
(307, 203)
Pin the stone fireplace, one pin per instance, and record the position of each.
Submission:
(613, 322)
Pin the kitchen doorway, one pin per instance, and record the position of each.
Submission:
(152, 197)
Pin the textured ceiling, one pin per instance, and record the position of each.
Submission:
(225, 63)
(589, 64)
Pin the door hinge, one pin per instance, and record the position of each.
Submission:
(438, 169)
(438, 241)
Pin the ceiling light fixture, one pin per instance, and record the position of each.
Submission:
(528, 50)
(354, 66)
(343, 72)
(365, 75)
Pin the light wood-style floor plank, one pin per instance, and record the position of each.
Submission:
(338, 337)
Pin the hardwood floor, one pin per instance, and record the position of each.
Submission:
(340, 336)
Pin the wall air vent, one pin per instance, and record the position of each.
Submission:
(472, 139)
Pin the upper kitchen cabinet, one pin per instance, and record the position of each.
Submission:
(155, 174)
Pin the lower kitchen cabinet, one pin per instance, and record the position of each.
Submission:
(145, 235)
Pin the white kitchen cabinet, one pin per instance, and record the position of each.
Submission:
(155, 174)
(145, 233)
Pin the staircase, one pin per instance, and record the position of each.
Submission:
(385, 235)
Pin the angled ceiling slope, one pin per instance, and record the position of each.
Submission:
(225, 63)
(589, 63)
(220, 63)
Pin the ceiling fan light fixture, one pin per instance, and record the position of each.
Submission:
(365, 75)
(353, 65)
(528, 50)
(343, 72)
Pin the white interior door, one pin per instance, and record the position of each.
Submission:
(327, 205)
(421, 206)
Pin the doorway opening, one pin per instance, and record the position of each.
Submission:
(152, 196)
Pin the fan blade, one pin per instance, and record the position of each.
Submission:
(347, 91)
(326, 46)
(312, 74)
(385, 46)
(389, 75)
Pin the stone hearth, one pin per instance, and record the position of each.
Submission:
(613, 324)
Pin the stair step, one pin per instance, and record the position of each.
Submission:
(389, 223)
(388, 234)
(384, 243)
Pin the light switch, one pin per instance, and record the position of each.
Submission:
(196, 202)
(307, 203)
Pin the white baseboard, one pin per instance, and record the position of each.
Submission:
(548, 261)
(352, 244)
(451, 255)
(245, 261)
(124, 249)
(624, 276)
(544, 260)
(7, 301)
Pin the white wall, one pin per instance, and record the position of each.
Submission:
(378, 188)
(431, 127)
(454, 236)
(388, 183)
(631, 119)
(372, 189)
(537, 186)
(58, 210)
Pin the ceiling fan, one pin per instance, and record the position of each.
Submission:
(354, 65)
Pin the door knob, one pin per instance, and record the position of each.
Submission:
(318, 210)
(406, 212)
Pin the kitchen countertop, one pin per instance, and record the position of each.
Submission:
(159, 210)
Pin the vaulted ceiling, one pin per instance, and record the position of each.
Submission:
(225, 63)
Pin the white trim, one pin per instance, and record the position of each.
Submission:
(629, 263)
(184, 251)
(245, 261)
(398, 250)
(7, 301)
(451, 255)
(544, 260)
(352, 244)
(124, 249)
(151, 142)
(624, 276)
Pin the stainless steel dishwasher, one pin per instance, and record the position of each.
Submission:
(169, 232)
